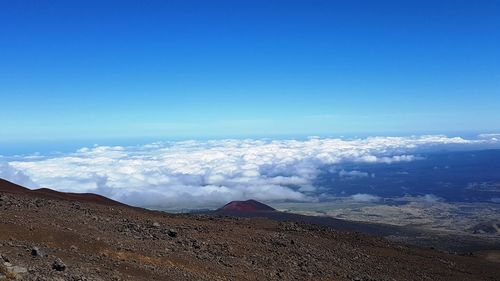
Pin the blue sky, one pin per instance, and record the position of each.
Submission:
(175, 69)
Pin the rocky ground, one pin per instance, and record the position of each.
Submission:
(52, 239)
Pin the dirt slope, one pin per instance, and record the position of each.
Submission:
(9, 187)
(46, 238)
(246, 206)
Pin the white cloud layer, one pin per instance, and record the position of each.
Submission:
(363, 197)
(353, 174)
(211, 173)
(9, 173)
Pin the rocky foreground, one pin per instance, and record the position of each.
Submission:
(46, 238)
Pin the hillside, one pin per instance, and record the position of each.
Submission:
(45, 237)
(246, 206)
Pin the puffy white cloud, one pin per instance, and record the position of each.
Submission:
(431, 198)
(363, 197)
(353, 174)
(11, 174)
(211, 173)
(491, 137)
(495, 200)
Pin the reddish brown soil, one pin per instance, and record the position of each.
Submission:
(116, 242)
(246, 206)
(8, 187)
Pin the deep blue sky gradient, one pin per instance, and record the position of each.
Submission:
(174, 69)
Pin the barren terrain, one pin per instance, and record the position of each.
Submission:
(43, 237)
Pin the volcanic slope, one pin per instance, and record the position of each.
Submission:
(246, 206)
(45, 237)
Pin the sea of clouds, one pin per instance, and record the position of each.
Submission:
(196, 174)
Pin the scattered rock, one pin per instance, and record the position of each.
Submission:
(36, 252)
(58, 265)
(11, 272)
(132, 244)
(172, 233)
(4, 258)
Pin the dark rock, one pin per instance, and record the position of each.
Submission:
(172, 233)
(4, 258)
(36, 252)
(58, 265)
